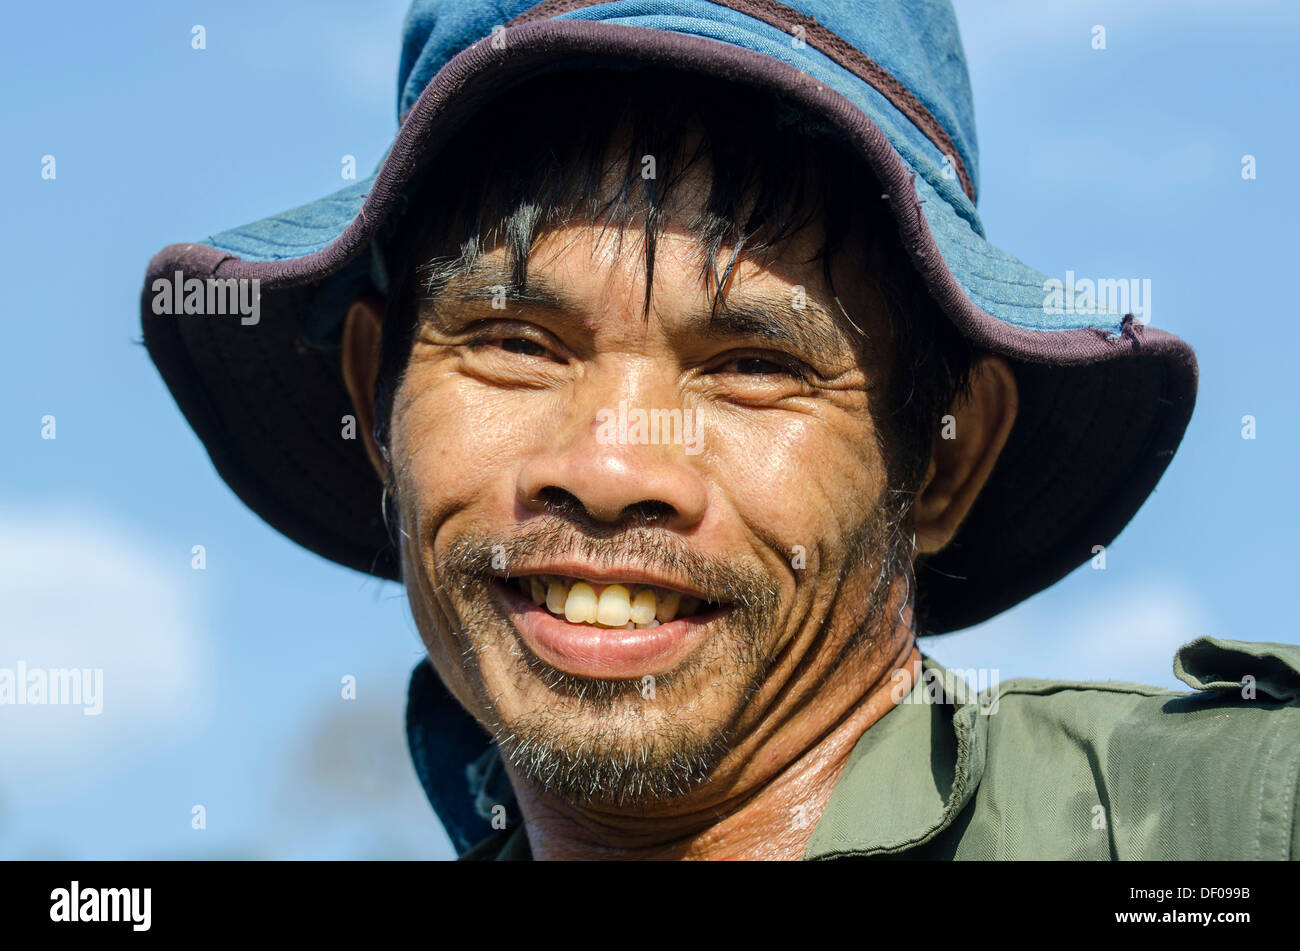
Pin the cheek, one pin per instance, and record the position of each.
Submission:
(801, 482)
(454, 445)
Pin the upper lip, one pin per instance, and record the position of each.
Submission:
(611, 575)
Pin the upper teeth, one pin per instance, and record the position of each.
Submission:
(612, 605)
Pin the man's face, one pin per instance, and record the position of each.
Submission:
(745, 524)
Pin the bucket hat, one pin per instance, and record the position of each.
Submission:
(1104, 398)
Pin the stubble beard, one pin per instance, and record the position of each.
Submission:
(629, 743)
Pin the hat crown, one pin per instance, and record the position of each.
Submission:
(915, 41)
(1098, 390)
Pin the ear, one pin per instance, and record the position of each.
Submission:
(960, 464)
(362, 331)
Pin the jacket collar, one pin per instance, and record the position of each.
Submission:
(911, 773)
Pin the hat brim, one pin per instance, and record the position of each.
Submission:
(1104, 401)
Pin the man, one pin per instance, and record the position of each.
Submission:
(689, 394)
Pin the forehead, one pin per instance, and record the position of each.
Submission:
(599, 275)
(596, 262)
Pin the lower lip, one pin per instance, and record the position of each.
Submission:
(610, 653)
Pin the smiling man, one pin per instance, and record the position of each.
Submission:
(645, 632)
(665, 363)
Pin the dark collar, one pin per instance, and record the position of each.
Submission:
(457, 763)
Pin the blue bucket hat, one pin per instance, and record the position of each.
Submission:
(1104, 399)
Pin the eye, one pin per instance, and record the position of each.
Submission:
(524, 346)
(498, 340)
(757, 366)
(760, 366)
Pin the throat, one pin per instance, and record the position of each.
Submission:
(771, 819)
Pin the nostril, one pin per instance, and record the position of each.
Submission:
(607, 490)
(557, 501)
(554, 500)
(651, 511)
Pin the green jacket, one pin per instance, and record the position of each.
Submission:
(1049, 769)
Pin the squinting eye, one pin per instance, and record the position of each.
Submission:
(762, 366)
(523, 345)
(759, 366)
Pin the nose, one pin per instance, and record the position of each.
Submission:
(613, 472)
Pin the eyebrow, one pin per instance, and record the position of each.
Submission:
(761, 314)
(773, 317)
(480, 282)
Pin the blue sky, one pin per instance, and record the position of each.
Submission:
(222, 686)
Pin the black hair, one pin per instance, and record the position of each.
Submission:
(540, 153)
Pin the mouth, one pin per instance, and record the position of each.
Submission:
(614, 628)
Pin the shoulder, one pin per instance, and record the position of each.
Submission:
(1155, 773)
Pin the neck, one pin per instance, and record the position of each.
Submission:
(763, 808)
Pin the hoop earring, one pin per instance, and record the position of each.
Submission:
(383, 509)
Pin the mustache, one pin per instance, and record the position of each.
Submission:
(477, 557)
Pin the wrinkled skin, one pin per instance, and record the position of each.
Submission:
(783, 515)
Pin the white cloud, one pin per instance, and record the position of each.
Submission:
(80, 591)
(1085, 630)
